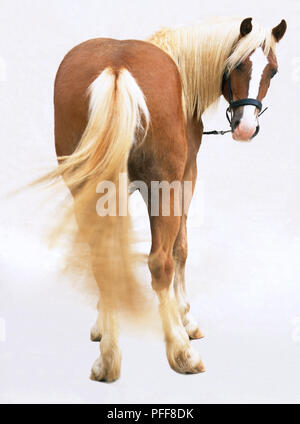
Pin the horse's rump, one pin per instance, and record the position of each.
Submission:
(154, 71)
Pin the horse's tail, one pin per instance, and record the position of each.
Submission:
(117, 113)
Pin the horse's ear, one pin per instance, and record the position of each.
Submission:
(246, 27)
(279, 31)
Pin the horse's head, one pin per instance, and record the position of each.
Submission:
(247, 84)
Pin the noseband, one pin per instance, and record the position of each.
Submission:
(234, 105)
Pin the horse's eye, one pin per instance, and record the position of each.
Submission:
(239, 67)
(273, 73)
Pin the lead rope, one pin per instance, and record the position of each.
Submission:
(215, 132)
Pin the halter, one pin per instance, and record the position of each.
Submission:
(234, 105)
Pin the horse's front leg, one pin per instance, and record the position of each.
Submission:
(180, 253)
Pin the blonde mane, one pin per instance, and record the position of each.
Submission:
(205, 51)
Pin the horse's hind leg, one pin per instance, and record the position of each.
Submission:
(106, 330)
(108, 366)
(181, 356)
(180, 253)
(96, 330)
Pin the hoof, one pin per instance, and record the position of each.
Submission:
(195, 334)
(186, 361)
(193, 329)
(105, 373)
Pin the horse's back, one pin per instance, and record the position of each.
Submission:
(154, 71)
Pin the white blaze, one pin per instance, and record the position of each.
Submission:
(259, 62)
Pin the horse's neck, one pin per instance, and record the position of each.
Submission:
(201, 66)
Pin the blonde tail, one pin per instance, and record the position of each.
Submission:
(117, 111)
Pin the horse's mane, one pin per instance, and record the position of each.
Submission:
(205, 51)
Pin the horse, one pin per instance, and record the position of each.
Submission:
(134, 108)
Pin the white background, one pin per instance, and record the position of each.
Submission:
(243, 269)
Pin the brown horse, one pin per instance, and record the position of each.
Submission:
(135, 107)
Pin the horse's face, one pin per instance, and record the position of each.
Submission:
(251, 80)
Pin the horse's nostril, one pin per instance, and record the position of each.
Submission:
(235, 124)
